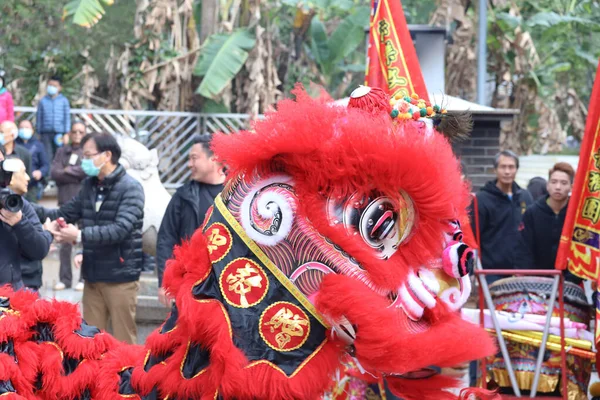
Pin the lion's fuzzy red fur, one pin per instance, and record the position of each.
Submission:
(327, 150)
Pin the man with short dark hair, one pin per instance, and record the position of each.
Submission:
(110, 206)
(53, 117)
(188, 206)
(543, 222)
(67, 173)
(501, 204)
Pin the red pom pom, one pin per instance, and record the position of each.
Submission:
(372, 100)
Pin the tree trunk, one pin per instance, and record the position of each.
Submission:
(209, 22)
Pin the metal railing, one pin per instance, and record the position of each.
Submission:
(170, 133)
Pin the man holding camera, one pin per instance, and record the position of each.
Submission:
(21, 233)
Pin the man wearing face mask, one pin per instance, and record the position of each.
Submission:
(7, 109)
(67, 173)
(8, 136)
(39, 160)
(53, 116)
(21, 233)
(110, 208)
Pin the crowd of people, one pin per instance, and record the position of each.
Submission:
(100, 212)
(519, 228)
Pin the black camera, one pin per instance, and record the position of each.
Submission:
(12, 202)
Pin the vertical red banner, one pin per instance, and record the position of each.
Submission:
(579, 247)
(392, 59)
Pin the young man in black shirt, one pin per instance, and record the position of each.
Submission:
(188, 206)
(543, 222)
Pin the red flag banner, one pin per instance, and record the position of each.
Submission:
(392, 59)
(579, 247)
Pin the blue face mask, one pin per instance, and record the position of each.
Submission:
(52, 90)
(25, 133)
(2, 141)
(89, 168)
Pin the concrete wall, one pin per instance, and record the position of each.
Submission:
(478, 152)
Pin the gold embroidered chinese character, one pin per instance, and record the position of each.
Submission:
(384, 30)
(391, 54)
(594, 182)
(597, 158)
(215, 240)
(290, 325)
(394, 79)
(581, 235)
(591, 209)
(243, 281)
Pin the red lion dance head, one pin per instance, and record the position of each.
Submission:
(335, 237)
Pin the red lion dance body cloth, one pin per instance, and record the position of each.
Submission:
(334, 239)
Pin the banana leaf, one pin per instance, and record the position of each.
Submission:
(222, 57)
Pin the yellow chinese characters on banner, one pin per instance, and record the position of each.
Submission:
(579, 248)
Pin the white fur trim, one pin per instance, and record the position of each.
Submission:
(267, 212)
(409, 305)
(429, 280)
(419, 289)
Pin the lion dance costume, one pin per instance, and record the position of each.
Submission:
(334, 239)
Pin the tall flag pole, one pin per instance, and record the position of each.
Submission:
(392, 59)
(579, 247)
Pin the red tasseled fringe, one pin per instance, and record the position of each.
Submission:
(374, 102)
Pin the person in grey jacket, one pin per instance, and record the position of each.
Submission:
(110, 208)
(21, 234)
(67, 173)
(53, 117)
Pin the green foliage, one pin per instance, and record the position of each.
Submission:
(33, 30)
(222, 57)
(565, 35)
(333, 53)
(86, 13)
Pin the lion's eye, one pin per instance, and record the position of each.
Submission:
(382, 223)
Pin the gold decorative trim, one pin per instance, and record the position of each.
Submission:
(187, 349)
(62, 355)
(170, 330)
(225, 294)
(267, 262)
(207, 218)
(300, 367)
(223, 310)
(260, 326)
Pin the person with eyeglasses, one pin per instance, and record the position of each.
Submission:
(110, 210)
(66, 171)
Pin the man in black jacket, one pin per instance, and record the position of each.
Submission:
(110, 206)
(21, 233)
(543, 222)
(188, 206)
(501, 204)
